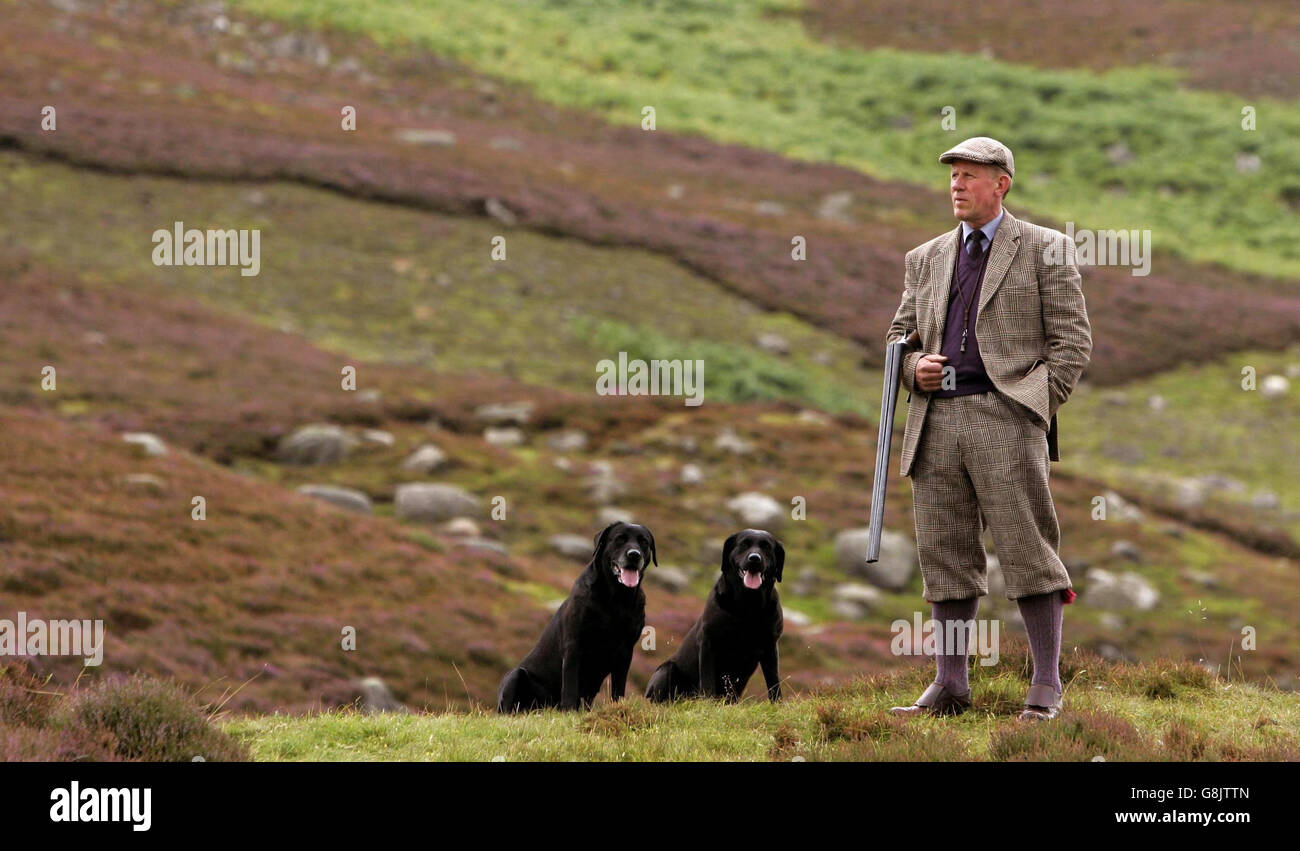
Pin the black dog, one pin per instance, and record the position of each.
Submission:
(738, 631)
(592, 634)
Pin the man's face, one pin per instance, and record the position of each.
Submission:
(976, 191)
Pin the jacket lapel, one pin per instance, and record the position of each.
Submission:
(1005, 244)
(946, 264)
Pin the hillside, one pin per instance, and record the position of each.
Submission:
(478, 121)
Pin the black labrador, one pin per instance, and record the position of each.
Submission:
(593, 633)
(738, 631)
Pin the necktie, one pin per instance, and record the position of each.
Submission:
(976, 244)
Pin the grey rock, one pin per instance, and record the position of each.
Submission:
(668, 577)
(419, 136)
(316, 443)
(793, 618)
(347, 498)
(853, 600)
(460, 527)
(729, 441)
(569, 440)
(773, 344)
(609, 514)
(603, 486)
(149, 444)
(1118, 508)
(1106, 590)
(807, 583)
(1126, 549)
(499, 211)
(577, 547)
(898, 559)
(505, 413)
(434, 502)
(377, 697)
(1264, 499)
(757, 510)
(425, 459)
(506, 437)
(377, 436)
(769, 208)
(487, 544)
(1274, 387)
(691, 474)
(835, 207)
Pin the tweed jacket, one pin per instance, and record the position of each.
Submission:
(1031, 323)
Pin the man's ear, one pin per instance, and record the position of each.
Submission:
(600, 540)
(780, 558)
(726, 551)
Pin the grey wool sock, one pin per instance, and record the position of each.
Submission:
(1042, 614)
(952, 664)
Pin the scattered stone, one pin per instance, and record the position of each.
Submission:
(898, 558)
(1126, 549)
(769, 208)
(425, 459)
(484, 544)
(729, 441)
(1274, 387)
(602, 485)
(146, 481)
(793, 618)
(670, 578)
(1201, 577)
(807, 583)
(460, 527)
(504, 437)
(1219, 482)
(676, 191)
(434, 502)
(1105, 590)
(505, 143)
(347, 498)
(835, 207)
(1248, 163)
(94, 338)
(569, 440)
(505, 413)
(691, 474)
(853, 600)
(500, 212)
(1156, 402)
(1189, 493)
(816, 418)
(1264, 499)
(316, 443)
(757, 510)
(149, 444)
(1118, 508)
(415, 136)
(773, 343)
(369, 395)
(377, 436)
(577, 547)
(376, 697)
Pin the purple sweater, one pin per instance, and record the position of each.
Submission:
(968, 279)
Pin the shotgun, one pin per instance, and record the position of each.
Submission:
(888, 402)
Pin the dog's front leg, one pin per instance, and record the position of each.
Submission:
(569, 679)
(770, 673)
(708, 674)
(618, 676)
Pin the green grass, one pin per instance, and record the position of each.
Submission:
(1161, 711)
(734, 71)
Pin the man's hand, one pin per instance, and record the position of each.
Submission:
(929, 372)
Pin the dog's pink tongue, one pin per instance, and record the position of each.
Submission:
(753, 580)
(629, 577)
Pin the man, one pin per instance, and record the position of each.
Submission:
(1004, 337)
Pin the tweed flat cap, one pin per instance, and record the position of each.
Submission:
(982, 149)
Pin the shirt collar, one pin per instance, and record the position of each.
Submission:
(990, 228)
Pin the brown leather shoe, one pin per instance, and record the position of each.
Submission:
(935, 700)
(1042, 703)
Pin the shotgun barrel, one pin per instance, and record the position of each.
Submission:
(884, 438)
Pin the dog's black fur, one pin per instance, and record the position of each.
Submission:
(737, 632)
(592, 634)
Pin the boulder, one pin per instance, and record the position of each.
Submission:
(1129, 590)
(434, 502)
(149, 444)
(316, 443)
(757, 510)
(347, 498)
(425, 459)
(577, 547)
(898, 559)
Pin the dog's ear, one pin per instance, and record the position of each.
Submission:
(654, 556)
(780, 558)
(601, 537)
(726, 550)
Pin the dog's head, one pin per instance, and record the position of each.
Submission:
(752, 559)
(624, 551)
